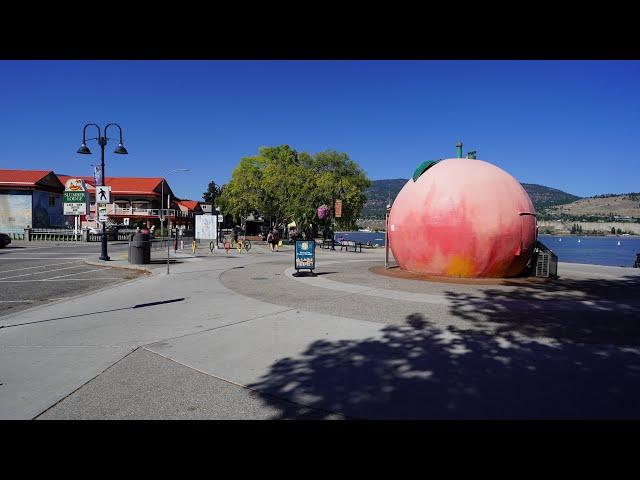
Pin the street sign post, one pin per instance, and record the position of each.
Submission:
(125, 221)
(102, 214)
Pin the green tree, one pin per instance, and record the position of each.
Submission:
(335, 171)
(288, 186)
(213, 191)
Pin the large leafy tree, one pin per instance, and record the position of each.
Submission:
(335, 172)
(285, 185)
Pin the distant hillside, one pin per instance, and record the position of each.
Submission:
(541, 196)
(377, 195)
(606, 206)
(545, 197)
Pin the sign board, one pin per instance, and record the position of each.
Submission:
(102, 214)
(103, 194)
(338, 208)
(206, 227)
(125, 221)
(75, 198)
(75, 208)
(305, 255)
(220, 218)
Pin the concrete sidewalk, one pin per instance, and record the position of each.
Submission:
(46, 353)
(187, 345)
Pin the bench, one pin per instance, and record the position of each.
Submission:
(350, 244)
(325, 244)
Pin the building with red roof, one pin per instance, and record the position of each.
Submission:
(25, 196)
(30, 198)
(192, 206)
(141, 200)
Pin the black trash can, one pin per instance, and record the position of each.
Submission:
(140, 249)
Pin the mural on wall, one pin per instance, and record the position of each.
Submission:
(15, 211)
(45, 215)
(462, 218)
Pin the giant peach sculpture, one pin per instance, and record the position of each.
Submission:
(462, 218)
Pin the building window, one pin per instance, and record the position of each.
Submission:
(52, 201)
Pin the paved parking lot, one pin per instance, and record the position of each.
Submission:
(35, 273)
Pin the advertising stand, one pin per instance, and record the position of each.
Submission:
(305, 256)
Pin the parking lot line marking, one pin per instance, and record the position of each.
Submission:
(40, 258)
(51, 253)
(44, 271)
(63, 280)
(77, 273)
(37, 266)
(16, 301)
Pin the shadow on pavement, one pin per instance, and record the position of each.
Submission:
(140, 305)
(533, 363)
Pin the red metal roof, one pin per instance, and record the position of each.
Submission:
(133, 185)
(88, 180)
(22, 177)
(190, 204)
(119, 185)
(124, 185)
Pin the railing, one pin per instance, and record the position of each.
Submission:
(113, 209)
(15, 233)
(184, 243)
(55, 234)
(120, 235)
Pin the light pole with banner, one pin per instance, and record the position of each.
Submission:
(339, 214)
(84, 150)
(162, 216)
(386, 233)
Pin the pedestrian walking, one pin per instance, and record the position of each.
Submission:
(270, 241)
(276, 239)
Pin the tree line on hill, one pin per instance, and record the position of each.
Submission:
(378, 194)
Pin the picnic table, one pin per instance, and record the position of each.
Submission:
(347, 244)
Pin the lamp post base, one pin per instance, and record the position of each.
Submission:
(103, 242)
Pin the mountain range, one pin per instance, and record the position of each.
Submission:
(378, 194)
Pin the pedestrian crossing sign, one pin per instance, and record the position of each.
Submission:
(103, 194)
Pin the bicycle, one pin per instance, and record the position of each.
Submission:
(243, 244)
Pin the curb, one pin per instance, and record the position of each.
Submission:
(101, 263)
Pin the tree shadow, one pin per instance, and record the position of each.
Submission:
(571, 351)
(592, 311)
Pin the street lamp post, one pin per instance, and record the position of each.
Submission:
(102, 141)
(176, 170)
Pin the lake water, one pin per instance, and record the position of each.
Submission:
(594, 250)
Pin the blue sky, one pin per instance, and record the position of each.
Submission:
(570, 125)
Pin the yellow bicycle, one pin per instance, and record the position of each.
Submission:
(243, 244)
